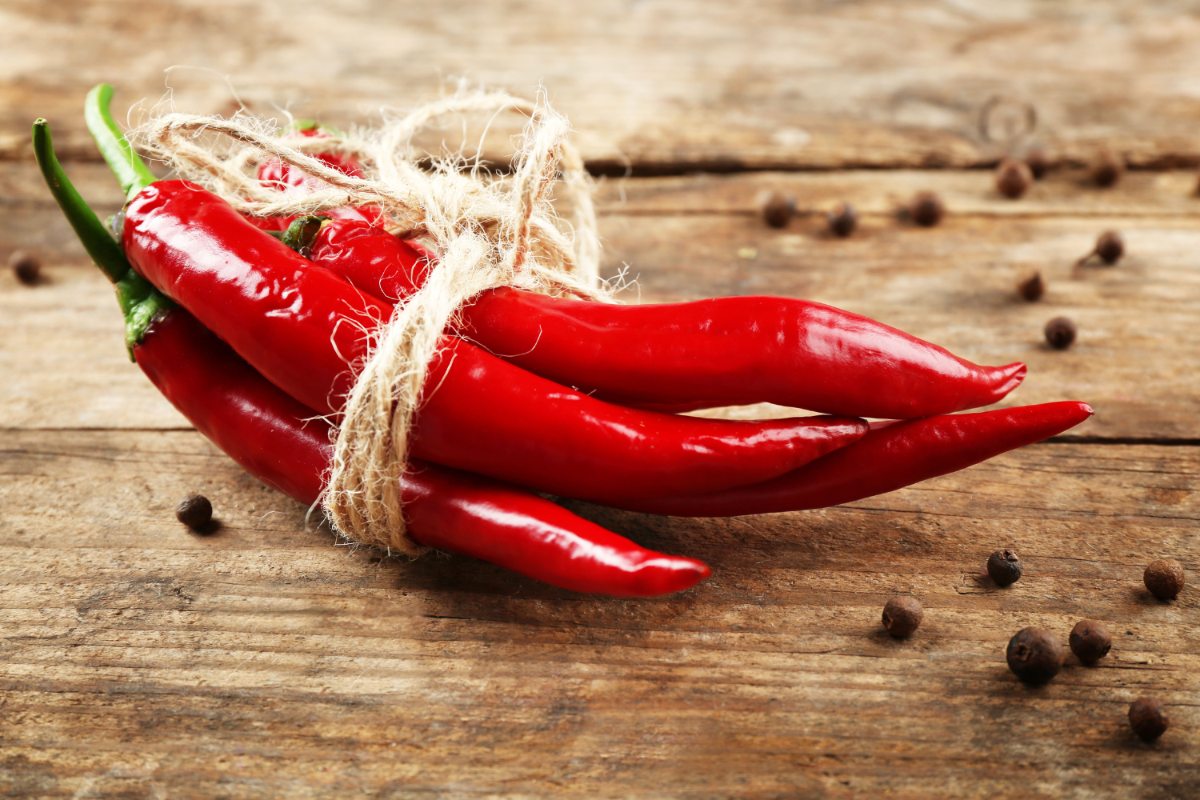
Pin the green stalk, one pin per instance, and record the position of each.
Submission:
(140, 301)
(130, 170)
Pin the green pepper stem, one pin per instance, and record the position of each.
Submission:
(96, 239)
(130, 170)
(140, 302)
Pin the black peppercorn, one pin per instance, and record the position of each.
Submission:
(927, 209)
(1164, 578)
(194, 511)
(1090, 640)
(1032, 288)
(26, 266)
(1148, 718)
(1107, 169)
(1013, 178)
(1060, 333)
(1038, 163)
(1034, 655)
(1110, 247)
(1005, 567)
(843, 220)
(777, 209)
(902, 615)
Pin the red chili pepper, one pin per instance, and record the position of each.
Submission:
(302, 328)
(682, 356)
(276, 439)
(280, 176)
(893, 455)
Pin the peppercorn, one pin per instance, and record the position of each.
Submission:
(777, 209)
(1164, 578)
(26, 266)
(1032, 288)
(927, 209)
(902, 615)
(1107, 169)
(1038, 163)
(1148, 718)
(1034, 655)
(1090, 640)
(194, 511)
(1013, 178)
(1110, 247)
(1005, 567)
(1060, 333)
(843, 220)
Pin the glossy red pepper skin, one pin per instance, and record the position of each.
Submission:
(288, 318)
(893, 455)
(276, 439)
(683, 356)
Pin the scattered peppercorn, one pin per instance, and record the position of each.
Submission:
(1038, 163)
(927, 209)
(1090, 640)
(1060, 333)
(1148, 718)
(194, 511)
(1164, 578)
(1005, 567)
(1013, 178)
(1034, 655)
(843, 220)
(1032, 288)
(26, 266)
(777, 209)
(1110, 247)
(1107, 169)
(902, 615)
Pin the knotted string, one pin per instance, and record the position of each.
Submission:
(486, 232)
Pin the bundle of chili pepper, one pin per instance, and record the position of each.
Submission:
(283, 314)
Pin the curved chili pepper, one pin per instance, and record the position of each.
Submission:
(277, 440)
(685, 356)
(893, 455)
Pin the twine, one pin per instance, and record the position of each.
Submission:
(486, 232)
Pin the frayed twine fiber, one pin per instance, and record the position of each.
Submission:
(486, 231)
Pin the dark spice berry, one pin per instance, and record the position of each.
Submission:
(1035, 655)
(1107, 169)
(26, 266)
(1090, 640)
(777, 209)
(1060, 333)
(1148, 718)
(1164, 578)
(1013, 178)
(1038, 163)
(1005, 567)
(927, 209)
(194, 511)
(902, 615)
(1032, 288)
(1110, 247)
(843, 220)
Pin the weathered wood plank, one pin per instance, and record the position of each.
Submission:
(262, 660)
(664, 85)
(686, 238)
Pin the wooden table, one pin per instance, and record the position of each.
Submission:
(138, 660)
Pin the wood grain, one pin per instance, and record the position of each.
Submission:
(263, 661)
(661, 86)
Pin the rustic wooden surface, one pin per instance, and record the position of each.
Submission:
(138, 660)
